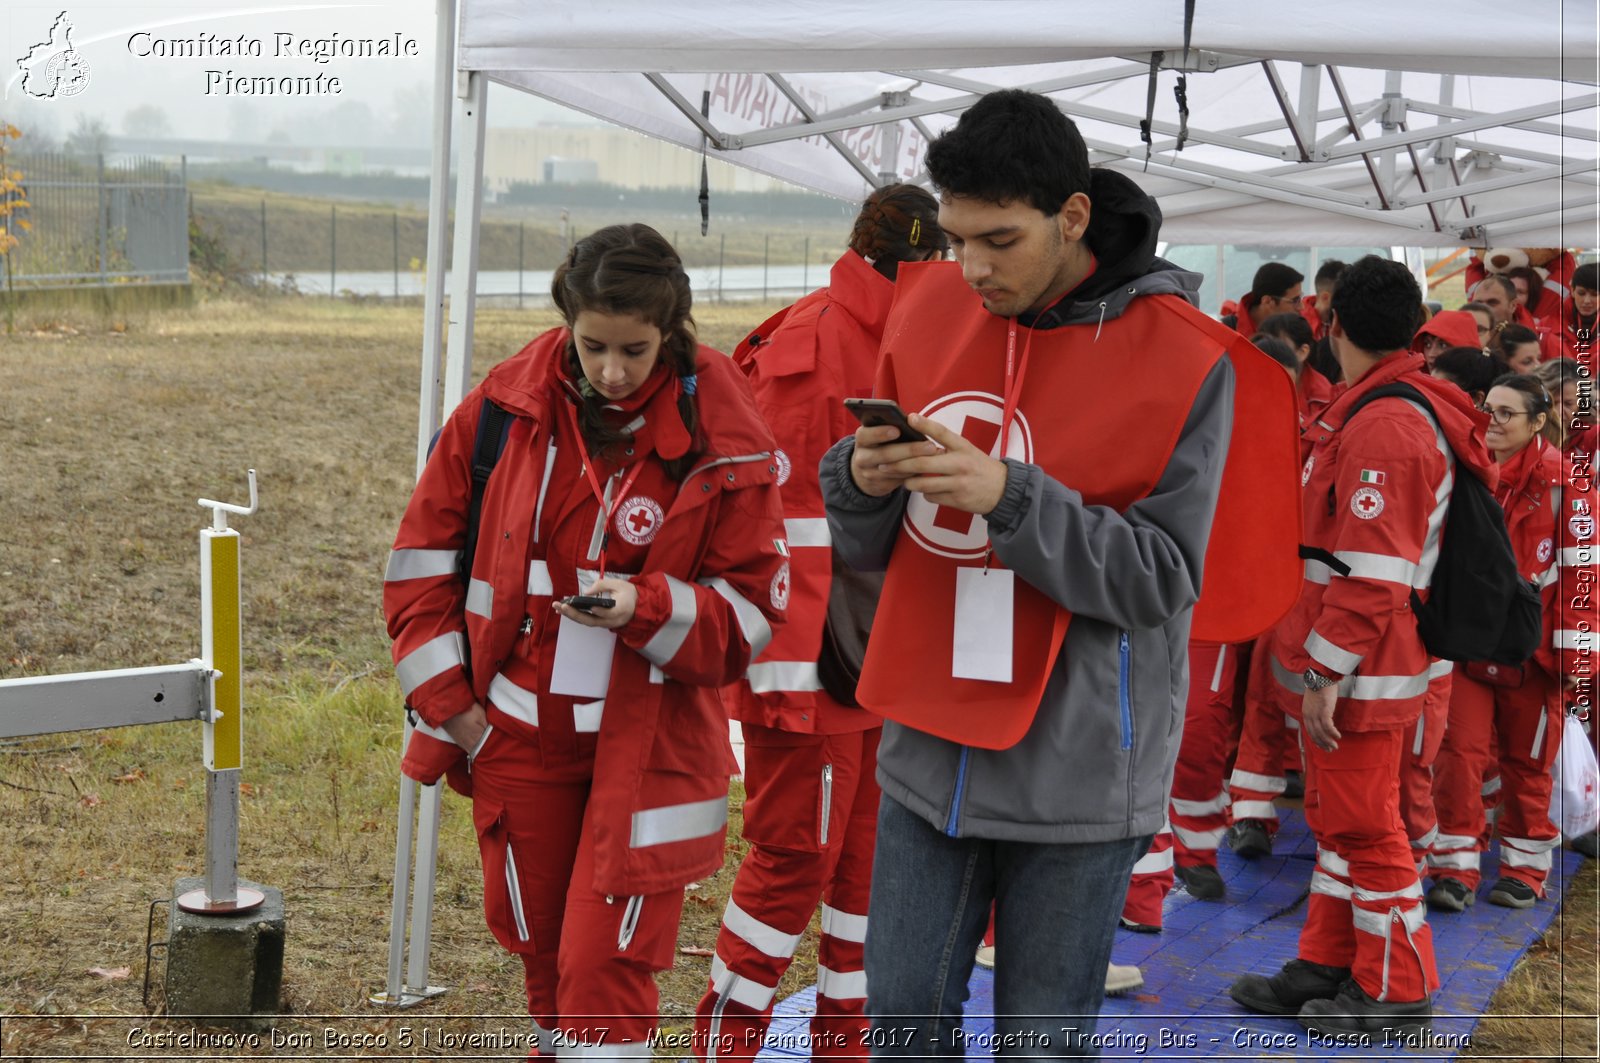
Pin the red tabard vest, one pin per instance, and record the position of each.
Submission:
(1101, 415)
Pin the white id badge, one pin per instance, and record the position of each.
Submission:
(983, 624)
(583, 660)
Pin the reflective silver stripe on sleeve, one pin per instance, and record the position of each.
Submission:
(539, 578)
(752, 624)
(1441, 502)
(767, 677)
(1549, 576)
(678, 823)
(420, 564)
(1334, 656)
(1361, 687)
(1577, 556)
(434, 657)
(843, 926)
(1318, 571)
(1440, 668)
(841, 985)
(514, 701)
(1384, 567)
(807, 531)
(480, 598)
(438, 733)
(768, 939)
(544, 485)
(665, 643)
(1576, 640)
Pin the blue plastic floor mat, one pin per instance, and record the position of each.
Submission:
(1184, 1011)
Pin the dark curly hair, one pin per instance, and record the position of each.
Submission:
(630, 270)
(898, 223)
(1377, 303)
(1011, 146)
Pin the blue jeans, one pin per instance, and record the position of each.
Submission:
(1056, 911)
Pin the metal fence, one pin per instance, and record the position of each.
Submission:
(99, 222)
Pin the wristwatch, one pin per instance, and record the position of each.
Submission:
(1315, 680)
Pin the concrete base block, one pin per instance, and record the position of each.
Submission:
(225, 965)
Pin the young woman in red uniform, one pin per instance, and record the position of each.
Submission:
(635, 468)
(1517, 710)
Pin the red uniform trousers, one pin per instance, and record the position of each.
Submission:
(811, 818)
(589, 960)
(1269, 738)
(1211, 718)
(1148, 885)
(1365, 910)
(1527, 720)
(1416, 777)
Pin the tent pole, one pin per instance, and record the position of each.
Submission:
(438, 189)
(472, 89)
(396, 992)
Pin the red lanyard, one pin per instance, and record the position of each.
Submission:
(1014, 375)
(608, 512)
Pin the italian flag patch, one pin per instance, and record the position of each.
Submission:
(1372, 476)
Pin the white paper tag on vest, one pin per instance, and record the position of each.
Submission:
(583, 660)
(983, 624)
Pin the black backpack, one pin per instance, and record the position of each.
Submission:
(1479, 607)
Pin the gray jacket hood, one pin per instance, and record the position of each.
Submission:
(1124, 225)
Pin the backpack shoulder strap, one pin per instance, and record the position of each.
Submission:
(494, 424)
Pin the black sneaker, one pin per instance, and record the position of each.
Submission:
(1450, 895)
(1354, 1012)
(1249, 838)
(1202, 881)
(1294, 785)
(1286, 992)
(1513, 893)
(1137, 928)
(1587, 844)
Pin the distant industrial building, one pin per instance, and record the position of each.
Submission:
(618, 157)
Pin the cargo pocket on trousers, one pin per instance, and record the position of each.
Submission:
(503, 908)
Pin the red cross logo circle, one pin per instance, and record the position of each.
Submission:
(785, 467)
(1366, 503)
(976, 416)
(638, 520)
(780, 587)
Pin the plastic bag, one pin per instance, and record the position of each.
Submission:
(1575, 798)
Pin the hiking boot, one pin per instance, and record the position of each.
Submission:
(1286, 992)
(1138, 928)
(1122, 978)
(1513, 893)
(985, 957)
(1294, 785)
(1450, 895)
(1202, 881)
(1354, 1012)
(1249, 838)
(1587, 844)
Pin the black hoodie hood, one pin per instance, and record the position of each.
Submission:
(1124, 225)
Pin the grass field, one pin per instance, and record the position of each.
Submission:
(110, 428)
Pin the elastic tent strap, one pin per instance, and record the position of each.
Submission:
(1181, 90)
(705, 178)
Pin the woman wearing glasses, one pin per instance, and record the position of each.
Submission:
(1518, 710)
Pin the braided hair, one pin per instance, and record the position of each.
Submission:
(898, 223)
(631, 270)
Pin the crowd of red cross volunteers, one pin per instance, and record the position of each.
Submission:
(991, 712)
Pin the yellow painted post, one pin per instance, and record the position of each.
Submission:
(221, 646)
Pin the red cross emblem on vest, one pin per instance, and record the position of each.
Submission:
(1367, 503)
(975, 416)
(639, 519)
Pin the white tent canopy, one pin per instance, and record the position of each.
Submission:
(1356, 122)
(1338, 123)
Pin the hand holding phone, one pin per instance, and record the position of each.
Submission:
(875, 412)
(588, 603)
